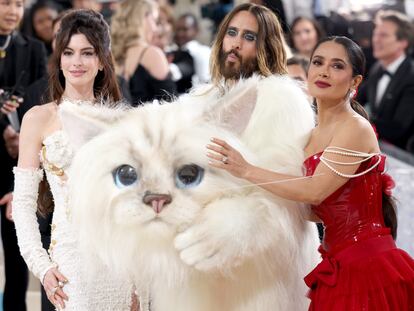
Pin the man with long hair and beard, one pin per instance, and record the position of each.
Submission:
(273, 118)
(248, 41)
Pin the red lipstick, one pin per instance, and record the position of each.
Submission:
(322, 84)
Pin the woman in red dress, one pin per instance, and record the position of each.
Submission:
(361, 268)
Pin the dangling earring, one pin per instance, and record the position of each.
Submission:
(352, 93)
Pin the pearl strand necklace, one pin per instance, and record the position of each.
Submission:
(351, 153)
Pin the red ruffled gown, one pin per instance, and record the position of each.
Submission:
(361, 267)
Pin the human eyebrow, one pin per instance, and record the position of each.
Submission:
(318, 57)
(339, 60)
(233, 28)
(250, 32)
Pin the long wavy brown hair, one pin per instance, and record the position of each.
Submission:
(271, 55)
(106, 90)
(96, 30)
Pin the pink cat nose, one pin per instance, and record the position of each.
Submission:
(157, 201)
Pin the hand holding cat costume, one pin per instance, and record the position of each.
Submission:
(146, 202)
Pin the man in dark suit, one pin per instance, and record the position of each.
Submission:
(389, 91)
(22, 60)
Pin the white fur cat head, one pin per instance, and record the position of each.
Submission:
(160, 149)
(150, 150)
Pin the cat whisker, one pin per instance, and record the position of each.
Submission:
(273, 182)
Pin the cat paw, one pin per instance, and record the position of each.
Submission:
(202, 251)
(195, 248)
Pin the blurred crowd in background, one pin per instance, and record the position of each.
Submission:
(162, 49)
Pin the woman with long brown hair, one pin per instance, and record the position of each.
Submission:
(304, 35)
(81, 73)
(361, 268)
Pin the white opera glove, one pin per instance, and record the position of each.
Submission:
(24, 207)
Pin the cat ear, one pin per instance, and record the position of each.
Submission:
(81, 123)
(234, 109)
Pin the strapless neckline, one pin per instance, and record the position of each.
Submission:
(312, 155)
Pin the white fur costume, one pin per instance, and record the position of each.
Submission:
(221, 244)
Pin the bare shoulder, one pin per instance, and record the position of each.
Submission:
(155, 61)
(38, 118)
(41, 112)
(358, 134)
(358, 125)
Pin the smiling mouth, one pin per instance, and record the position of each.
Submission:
(77, 73)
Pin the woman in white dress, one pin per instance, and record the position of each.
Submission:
(81, 72)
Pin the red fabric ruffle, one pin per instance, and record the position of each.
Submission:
(371, 275)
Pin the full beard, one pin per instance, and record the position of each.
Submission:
(236, 70)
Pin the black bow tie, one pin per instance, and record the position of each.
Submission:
(384, 72)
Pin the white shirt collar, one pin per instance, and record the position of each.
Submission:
(190, 44)
(392, 68)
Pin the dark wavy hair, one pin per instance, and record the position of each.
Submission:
(106, 90)
(357, 59)
(96, 30)
(39, 5)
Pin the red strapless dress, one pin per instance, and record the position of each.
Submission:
(361, 268)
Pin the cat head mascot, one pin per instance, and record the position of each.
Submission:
(145, 201)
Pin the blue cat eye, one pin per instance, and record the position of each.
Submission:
(124, 176)
(189, 176)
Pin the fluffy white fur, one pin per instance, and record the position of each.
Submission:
(221, 245)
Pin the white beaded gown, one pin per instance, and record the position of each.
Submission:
(104, 291)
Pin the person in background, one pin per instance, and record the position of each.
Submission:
(298, 68)
(331, 14)
(42, 14)
(163, 38)
(22, 61)
(361, 267)
(389, 91)
(143, 65)
(186, 31)
(305, 33)
(87, 4)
